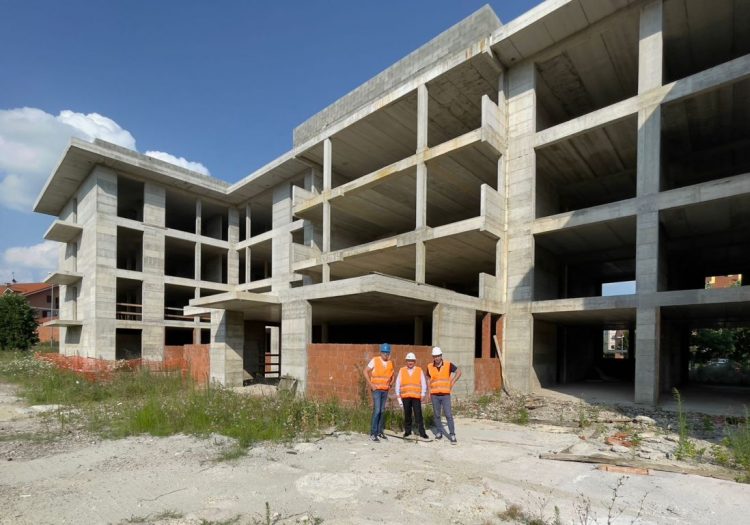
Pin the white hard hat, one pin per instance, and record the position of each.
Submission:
(411, 357)
(436, 351)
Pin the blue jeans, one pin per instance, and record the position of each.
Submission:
(442, 403)
(379, 399)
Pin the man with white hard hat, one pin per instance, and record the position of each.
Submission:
(411, 388)
(442, 375)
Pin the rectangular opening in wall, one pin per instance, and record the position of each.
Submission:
(576, 262)
(454, 184)
(706, 241)
(378, 212)
(596, 68)
(242, 260)
(699, 34)
(180, 211)
(205, 336)
(213, 264)
(724, 281)
(178, 336)
(455, 98)
(379, 139)
(127, 344)
(593, 168)
(176, 298)
(214, 221)
(179, 258)
(706, 137)
(455, 262)
(129, 198)
(618, 288)
(261, 265)
(129, 249)
(615, 344)
(261, 213)
(129, 302)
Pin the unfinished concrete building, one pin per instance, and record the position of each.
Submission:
(505, 172)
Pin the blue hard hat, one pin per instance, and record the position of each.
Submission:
(385, 348)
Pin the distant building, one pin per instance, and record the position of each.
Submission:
(44, 300)
(724, 281)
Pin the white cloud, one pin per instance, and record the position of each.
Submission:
(29, 263)
(31, 142)
(179, 161)
(42, 256)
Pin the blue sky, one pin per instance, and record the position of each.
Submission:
(222, 84)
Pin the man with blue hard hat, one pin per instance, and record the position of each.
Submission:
(379, 375)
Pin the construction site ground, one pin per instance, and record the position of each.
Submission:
(496, 466)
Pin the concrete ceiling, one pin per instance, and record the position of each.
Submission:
(615, 318)
(457, 260)
(699, 34)
(592, 168)
(707, 137)
(369, 308)
(398, 262)
(589, 72)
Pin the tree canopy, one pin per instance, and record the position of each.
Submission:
(18, 330)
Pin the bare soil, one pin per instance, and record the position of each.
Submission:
(74, 477)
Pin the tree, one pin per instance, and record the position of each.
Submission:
(17, 325)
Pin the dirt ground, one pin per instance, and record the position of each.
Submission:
(344, 478)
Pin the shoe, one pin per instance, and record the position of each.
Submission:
(383, 436)
(407, 434)
(424, 436)
(374, 438)
(438, 436)
(452, 437)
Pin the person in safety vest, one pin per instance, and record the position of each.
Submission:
(442, 375)
(379, 375)
(411, 388)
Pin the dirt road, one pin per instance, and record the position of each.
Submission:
(342, 478)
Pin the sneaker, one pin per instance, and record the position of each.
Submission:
(374, 438)
(452, 437)
(438, 436)
(424, 436)
(382, 436)
(407, 434)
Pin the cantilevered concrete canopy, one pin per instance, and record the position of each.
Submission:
(349, 294)
(81, 156)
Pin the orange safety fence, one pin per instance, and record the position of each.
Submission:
(192, 360)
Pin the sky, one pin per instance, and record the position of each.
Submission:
(214, 86)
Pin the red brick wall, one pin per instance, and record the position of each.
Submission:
(192, 358)
(487, 376)
(335, 370)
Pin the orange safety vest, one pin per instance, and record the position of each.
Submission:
(411, 385)
(382, 373)
(440, 380)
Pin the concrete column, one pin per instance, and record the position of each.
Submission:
(248, 265)
(233, 256)
(153, 272)
(422, 117)
(453, 330)
(281, 243)
(197, 261)
(227, 347)
(248, 221)
(327, 163)
(296, 334)
(327, 175)
(518, 338)
(649, 267)
(198, 216)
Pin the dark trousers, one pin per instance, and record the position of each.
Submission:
(414, 406)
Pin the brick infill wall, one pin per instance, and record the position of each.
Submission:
(335, 370)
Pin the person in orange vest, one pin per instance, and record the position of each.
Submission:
(442, 375)
(379, 375)
(411, 388)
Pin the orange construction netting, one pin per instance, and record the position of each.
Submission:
(191, 360)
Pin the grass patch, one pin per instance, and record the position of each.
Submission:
(161, 404)
(738, 444)
(686, 449)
